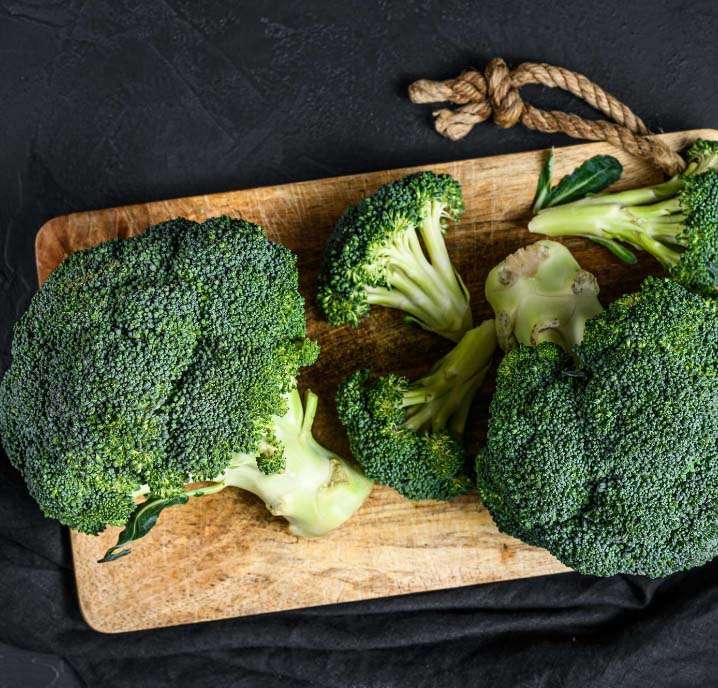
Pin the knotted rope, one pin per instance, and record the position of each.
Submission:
(495, 93)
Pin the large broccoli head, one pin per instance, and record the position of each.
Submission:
(375, 257)
(147, 362)
(610, 460)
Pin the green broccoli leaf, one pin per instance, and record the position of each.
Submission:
(145, 516)
(143, 519)
(591, 177)
(543, 187)
(618, 250)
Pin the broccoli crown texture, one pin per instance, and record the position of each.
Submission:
(540, 293)
(610, 460)
(375, 256)
(407, 434)
(147, 362)
(676, 221)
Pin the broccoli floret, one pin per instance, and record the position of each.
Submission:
(540, 293)
(676, 221)
(610, 459)
(147, 364)
(407, 435)
(375, 257)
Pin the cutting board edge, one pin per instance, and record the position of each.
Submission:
(555, 569)
(550, 566)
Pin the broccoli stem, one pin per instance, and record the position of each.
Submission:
(443, 396)
(311, 402)
(433, 235)
(415, 288)
(643, 227)
(317, 491)
(429, 292)
(394, 298)
(649, 219)
(632, 197)
(457, 422)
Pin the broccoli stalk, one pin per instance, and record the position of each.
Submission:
(407, 434)
(676, 221)
(540, 293)
(296, 477)
(442, 398)
(428, 291)
(375, 256)
(316, 490)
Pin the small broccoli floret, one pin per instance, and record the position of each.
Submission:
(407, 434)
(676, 221)
(540, 293)
(610, 459)
(701, 156)
(375, 257)
(144, 365)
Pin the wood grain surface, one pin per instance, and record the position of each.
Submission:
(224, 555)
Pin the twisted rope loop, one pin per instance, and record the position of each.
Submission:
(495, 93)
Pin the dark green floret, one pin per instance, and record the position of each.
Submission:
(389, 250)
(146, 364)
(608, 457)
(676, 221)
(407, 435)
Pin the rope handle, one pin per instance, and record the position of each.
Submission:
(495, 93)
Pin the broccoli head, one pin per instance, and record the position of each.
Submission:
(407, 435)
(540, 293)
(609, 458)
(147, 364)
(676, 221)
(375, 257)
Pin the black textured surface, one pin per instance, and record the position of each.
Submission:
(114, 101)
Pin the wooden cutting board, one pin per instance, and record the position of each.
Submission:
(224, 555)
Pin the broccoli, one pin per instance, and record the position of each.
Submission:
(608, 457)
(148, 364)
(540, 293)
(407, 434)
(676, 221)
(375, 256)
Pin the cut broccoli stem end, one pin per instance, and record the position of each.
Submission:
(450, 386)
(317, 491)
(540, 293)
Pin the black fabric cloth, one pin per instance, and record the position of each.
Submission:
(108, 102)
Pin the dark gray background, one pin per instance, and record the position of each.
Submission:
(115, 101)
